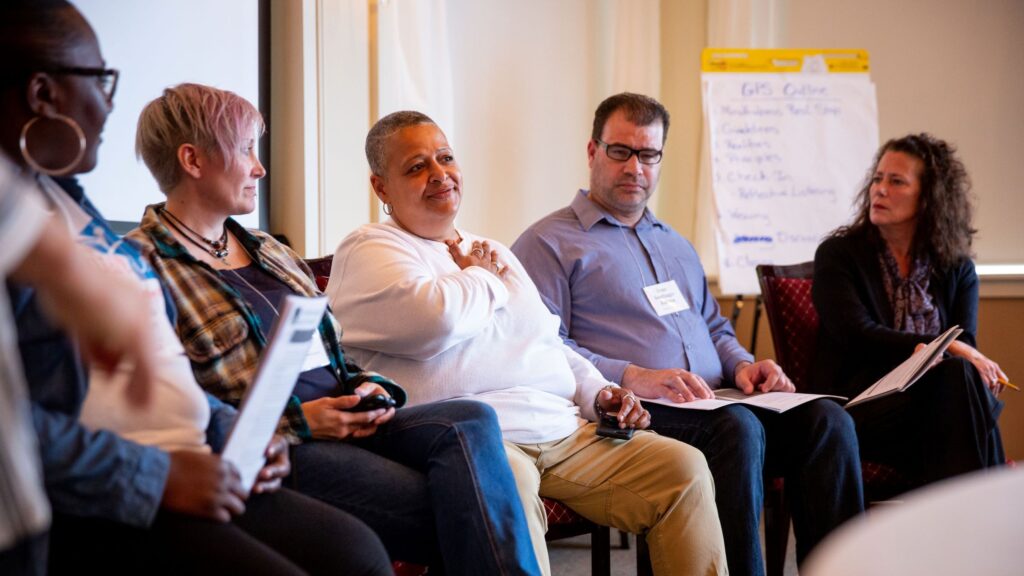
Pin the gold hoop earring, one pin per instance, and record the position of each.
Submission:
(63, 170)
(388, 209)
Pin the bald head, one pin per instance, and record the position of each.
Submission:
(384, 129)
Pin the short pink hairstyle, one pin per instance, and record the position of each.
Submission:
(215, 121)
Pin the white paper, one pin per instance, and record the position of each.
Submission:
(910, 370)
(666, 298)
(316, 357)
(775, 401)
(279, 368)
(712, 404)
(788, 153)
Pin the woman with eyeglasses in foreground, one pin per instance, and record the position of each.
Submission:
(887, 284)
(135, 489)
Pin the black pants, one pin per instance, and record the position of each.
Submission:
(26, 558)
(942, 426)
(282, 533)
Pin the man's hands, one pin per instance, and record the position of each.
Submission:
(762, 376)
(204, 485)
(328, 419)
(680, 385)
(631, 413)
(675, 384)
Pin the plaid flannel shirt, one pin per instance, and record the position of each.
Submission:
(221, 333)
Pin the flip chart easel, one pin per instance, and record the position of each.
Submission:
(790, 135)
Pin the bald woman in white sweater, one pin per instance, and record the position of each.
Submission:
(452, 315)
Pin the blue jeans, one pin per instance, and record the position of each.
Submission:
(813, 446)
(434, 478)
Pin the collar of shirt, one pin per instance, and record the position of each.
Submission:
(589, 213)
(168, 246)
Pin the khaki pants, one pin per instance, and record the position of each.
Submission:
(647, 485)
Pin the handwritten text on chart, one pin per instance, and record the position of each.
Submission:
(787, 154)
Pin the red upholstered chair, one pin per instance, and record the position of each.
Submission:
(786, 292)
(562, 522)
(321, 268)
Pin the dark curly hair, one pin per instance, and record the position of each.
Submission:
(945, 211)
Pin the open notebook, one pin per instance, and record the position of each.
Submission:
(904, 375)
(280, 365)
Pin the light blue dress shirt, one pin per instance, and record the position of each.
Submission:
(591, 270)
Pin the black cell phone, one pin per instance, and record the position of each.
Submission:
(373, 402)
(608, 427)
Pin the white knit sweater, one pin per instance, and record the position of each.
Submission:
(410, 313)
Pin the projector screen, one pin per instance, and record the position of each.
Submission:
(160, 44)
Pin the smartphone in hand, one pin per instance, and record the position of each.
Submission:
(608, 427)
(373, 402)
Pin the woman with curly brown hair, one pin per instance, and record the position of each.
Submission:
(890, 282)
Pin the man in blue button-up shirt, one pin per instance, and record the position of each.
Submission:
(633, 298)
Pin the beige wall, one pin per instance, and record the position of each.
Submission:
(1000, 334)
(948, 67)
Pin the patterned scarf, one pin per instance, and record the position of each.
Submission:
(912, 305)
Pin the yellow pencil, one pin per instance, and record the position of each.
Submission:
(1006, 383)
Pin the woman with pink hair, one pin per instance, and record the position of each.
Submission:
(428, 479)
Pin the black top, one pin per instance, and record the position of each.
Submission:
(265, 294)
(857, 343)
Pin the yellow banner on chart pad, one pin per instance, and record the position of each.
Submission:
(740, 60)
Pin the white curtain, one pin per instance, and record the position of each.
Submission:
(414, 60)
(731, 24)
(629, 45)
(414, 68)
(514, 85)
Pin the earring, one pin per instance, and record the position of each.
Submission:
(63, 170)
(388, 209)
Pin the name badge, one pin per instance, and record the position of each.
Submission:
(666, 298)
(317, 356)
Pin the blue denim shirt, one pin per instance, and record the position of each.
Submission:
(87, 473)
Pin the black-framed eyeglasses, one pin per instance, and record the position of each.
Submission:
(622, 153)
(107, 76)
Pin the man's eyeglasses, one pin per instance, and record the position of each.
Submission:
(107, 77)
(621, 153)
